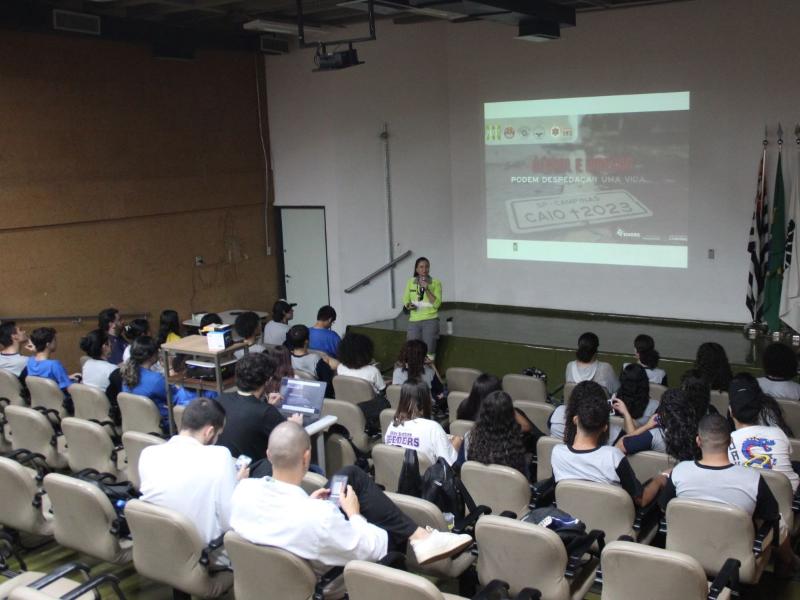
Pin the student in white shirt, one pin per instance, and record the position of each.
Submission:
(780, 369)
(647, 356)
(276, 330)
(363, 525)
(413, 428)
(355, 358)
(632, 400)
(11, 338)
(752, 444)
(413, 363)
(192, 476)
(588, 368)
(97, 370)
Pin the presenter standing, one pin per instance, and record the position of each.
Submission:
(422, 298)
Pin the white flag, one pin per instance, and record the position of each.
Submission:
(790, 292)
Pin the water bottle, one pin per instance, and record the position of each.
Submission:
(449, 325)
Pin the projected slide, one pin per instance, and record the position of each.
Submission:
(596, 180)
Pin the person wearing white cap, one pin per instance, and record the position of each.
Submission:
(276, 330)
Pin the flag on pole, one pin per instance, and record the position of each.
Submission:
(777, 248)
(758, 244)
(790, 292)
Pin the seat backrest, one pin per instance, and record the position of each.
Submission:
(461, 427)
(422, 512)
(338, 453)
(90, 402)
(781, 488)
(524, 387)
(544, 450)
(17, 492)
(134, 442)
(496, 486)
(11, 388)
(567, 391)
(167, 547)
(521, 554)
(82, 518)
(386, 417)
(629, 568)
(393, 395)
(90, 446)
(795, 449)
(31, 430)
(266, 571)
(388, 461)
(791, 414)
(367, 581)
(352, 389)
(454, 400)
(649, 463)
(312, 482)
(460, 379)
(719, 400)
(600, 505)
(538, 412)
(710, 532)
(139, 413)
(351, 418)
(177, 414)
(656, 391)
(45, 393)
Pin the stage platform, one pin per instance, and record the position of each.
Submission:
(501, 340)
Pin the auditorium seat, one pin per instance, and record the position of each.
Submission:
(369, 581)
(84, 519)
(781, 488)
(352, 389)
(139, 413)
(47, 396)
(90, 447)
(499, 487)
(21, 500)
(656, 391)
(529, 555)
(631, 571)
(791, 414)
(795, 449)
(10, 388)
(544, 450)
(177, 415)
(134, 442)
(460, 379)
(426, 514)
(167, 548)
(393, 395)
(454, 400)
(351, 418)
(91, 404)
(338, 453)
(709, 531)
(386, 418)
(266, 571)
(719, 400)
(32, 431)
(650, 463)
(312, 482)
(537, 412)
(567, 391)
(461, 427)
(388, 461)
(58, 583)
(524, 387)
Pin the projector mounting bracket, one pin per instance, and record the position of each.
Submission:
(322, 45)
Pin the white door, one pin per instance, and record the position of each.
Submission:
(305, 261)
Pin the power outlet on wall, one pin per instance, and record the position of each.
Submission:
(711, 254)
(198, 261)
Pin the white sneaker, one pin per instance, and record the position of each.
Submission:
(439, 545)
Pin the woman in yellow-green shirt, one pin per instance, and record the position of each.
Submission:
(422, 298)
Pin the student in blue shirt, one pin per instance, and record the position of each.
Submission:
(41, 365)
(321, 336)
(137, 378)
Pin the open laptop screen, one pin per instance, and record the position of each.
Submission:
(302, 396)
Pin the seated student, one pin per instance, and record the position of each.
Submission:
(470, 407)
(190, 475)
(588, 368)
(496, 437)
(413, 364)
(585, 456)
(109, 321)
(632, 399)
(355, 358)
(139, 378)
(42, 365)
(713, 478)
(698, 393)
(11, 338)
(647, 356)
(780, 369)
(363, 525)
(672, 429)
(712, 362)
(413, 428)
(275, 331)
(211, 318)
(132, 332)
(321, 337)
(248, 327)
(753, 444)
(169, 327)
(558, 419)
(97, 370)
(282, 358)
(321, 367)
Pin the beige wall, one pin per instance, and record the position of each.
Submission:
(116, 169)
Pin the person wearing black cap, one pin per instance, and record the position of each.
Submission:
(276, 330)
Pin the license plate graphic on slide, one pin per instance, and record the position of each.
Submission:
(543, 213)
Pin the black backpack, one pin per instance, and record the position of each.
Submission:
(410, 482)
(441, 487)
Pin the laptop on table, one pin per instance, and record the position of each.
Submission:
(304, 397)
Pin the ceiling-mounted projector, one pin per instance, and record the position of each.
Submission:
(334, 61)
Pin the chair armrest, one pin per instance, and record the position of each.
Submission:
(327, 578)
(93, 584)
(529, 594)
(580, 546)
(467, 524)
(492, 590)
(768, 533)
(728, 577)
(543, 492)
(59, 573)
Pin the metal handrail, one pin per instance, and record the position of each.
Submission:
(377, 272)
(77, 319)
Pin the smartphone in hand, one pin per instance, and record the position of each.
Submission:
(338, 487)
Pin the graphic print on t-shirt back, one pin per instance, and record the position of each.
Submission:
(756, 452)
(402, 438)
